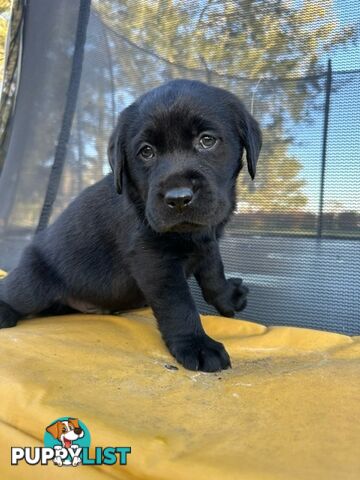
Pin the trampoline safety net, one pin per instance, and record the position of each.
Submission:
(294, 237)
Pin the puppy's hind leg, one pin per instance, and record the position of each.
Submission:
(8, 316)
(30, 288)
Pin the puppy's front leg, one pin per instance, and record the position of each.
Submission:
(227, 295)
(165, 287)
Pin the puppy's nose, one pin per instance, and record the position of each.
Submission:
(178, 198)
(78, 430)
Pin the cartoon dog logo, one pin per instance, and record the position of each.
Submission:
(66, 432)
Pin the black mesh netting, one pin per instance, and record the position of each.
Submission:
(295, 235)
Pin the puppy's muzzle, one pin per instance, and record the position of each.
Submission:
(181, 201)
(179, 198)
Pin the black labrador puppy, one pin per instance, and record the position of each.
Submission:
(133, 238)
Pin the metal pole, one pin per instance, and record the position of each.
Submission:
(68, 116)
(324, 147)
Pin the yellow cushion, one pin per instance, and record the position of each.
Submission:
(288, 409)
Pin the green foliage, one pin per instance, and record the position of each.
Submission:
(258, 49)
(242, 45)
(4, 9)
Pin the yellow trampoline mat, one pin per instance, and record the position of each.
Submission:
(288, 409)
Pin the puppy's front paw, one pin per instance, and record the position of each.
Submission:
(57, 461)
(8, 316)
(232, 299)
(200, 353)
(76, 461)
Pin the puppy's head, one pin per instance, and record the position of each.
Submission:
(179, 150)
(66, 431)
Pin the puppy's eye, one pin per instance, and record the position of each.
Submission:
(207, 141)
(147, 152)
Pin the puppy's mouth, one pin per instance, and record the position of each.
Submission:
(67, 443)
(186, 227)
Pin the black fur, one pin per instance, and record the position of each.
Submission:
(111, 251)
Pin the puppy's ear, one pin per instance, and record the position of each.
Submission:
(250, 135)
(74, 422)
(116, 149)
(53, 429)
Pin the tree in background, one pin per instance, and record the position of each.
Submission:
(259, 49)
(10, 21)
(4, 20)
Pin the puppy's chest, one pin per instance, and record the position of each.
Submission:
(190, 262)
(186, 252)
